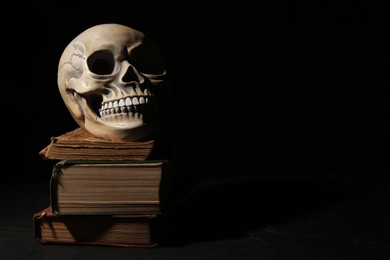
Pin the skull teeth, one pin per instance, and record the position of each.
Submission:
(124, 105)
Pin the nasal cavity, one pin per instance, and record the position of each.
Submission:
(130, 75)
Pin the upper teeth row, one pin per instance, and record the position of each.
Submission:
(124, 102)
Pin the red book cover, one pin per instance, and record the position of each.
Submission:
(134, 230)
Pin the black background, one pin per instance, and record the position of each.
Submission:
(296, 94)
(267, 88)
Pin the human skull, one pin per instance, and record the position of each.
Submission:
(112, 80)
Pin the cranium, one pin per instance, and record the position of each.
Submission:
(112, 80)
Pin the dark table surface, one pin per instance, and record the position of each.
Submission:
(310, 217)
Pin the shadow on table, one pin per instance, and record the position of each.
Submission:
(222, 209)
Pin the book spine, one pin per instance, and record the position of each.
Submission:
(37, 218)
(53, 186)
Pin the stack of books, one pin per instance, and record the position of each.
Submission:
(103, 192)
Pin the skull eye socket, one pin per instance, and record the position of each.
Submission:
(146, 61)
(101, 62)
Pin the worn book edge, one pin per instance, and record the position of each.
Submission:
(79, 144)
(164, 186)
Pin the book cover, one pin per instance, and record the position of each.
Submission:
(102, 230)
(108, 187)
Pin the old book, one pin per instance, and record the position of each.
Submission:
(109, 187)
(104, 230)
(79, 144)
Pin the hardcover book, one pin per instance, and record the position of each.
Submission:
(107, 187)
(79, 144)
(105, 230)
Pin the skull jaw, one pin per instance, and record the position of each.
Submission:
(139, 131)
(124, 128)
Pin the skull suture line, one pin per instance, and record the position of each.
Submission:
(112, 79)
